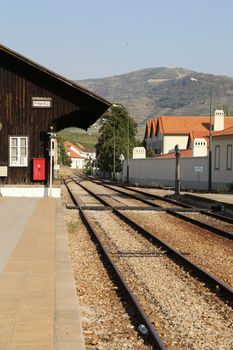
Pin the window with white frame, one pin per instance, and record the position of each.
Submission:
(18, 151)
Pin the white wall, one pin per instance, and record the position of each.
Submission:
(166, 143)
(30, 192)
(159, 172)
(171, 140)
(222, 174)
(199, 147)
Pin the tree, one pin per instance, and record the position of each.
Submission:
(88, 167)
(225, 109)
(64, 158)
(116, 124)
(150, 153)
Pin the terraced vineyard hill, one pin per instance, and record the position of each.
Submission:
(164, 91)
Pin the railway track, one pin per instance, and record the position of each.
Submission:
(215, 223)
(155, 249)
(144, 324)
(125, 214)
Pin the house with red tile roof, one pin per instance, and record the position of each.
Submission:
(79, 156)
(192, 134)
(165, 132)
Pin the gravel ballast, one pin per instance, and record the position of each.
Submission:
(105, 321)
(210, 251)
(186, 314)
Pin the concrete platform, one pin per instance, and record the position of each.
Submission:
(38, 303)
(209, 200)
(217, 197)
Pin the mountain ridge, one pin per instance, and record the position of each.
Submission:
(150, 92)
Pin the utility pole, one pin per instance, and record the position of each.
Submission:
(177, 172)
(114, 150)
(210, 145)
(128, 150)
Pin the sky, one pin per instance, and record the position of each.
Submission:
(82, 39)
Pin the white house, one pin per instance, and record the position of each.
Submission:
(194, 162)
(164, 132)
(79, 156)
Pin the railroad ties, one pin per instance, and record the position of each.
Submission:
(129, 206)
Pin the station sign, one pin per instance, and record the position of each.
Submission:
(198, 169)
(41, 102)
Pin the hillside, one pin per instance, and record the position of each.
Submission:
(164, 91)
(82, 139)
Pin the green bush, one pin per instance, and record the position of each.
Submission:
(230, 187)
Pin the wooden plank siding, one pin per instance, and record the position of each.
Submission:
(19, 82)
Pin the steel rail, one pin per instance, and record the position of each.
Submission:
(184, 205)
(170, 200)
(176, 212)
(217, 216)
(153, 335)
(156, 197)
(213, 229)
(220, 288)
(152, 196)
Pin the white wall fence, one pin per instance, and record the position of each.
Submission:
(161, 172)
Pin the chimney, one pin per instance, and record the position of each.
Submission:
(199, 147)
(218, 120)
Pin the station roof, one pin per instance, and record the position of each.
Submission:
(90, 105)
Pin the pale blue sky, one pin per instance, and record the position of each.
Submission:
(96, 38)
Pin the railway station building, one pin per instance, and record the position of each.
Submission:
(35, 103)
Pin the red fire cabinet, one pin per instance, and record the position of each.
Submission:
(38, 169)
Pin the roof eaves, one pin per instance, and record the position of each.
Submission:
(225, 132)
(53, 74)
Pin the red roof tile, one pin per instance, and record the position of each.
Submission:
(183, 125)
(225, 132)
(183, 154)
(67, 145)
(198, 134)
(194, 126)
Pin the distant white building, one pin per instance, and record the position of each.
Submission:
(194, 157)
(79, 157)
(164, 132)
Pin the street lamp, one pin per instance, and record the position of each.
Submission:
(114, 149)
(210, 146)
(127, 150)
